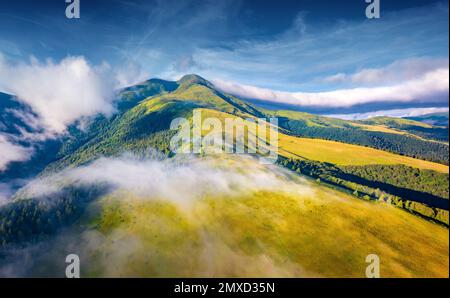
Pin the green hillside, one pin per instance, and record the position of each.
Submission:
(146, 125)
(355, 190)
(416, 141)
(287, 228)
(439, 119)
(418, 128)
(146, 122)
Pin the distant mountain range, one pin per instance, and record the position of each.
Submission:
(437, 119)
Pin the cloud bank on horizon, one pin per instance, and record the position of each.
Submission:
(399, 113)
(432, 85)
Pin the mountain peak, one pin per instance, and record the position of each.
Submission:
(191, 79)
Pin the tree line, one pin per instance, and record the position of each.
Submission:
(420, 203)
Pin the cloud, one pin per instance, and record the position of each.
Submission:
(300, 59)
(5, 193)
(431, 85)
(256, 49)
(184, 182)
(398, 71)
(185, 64)
(56, 95)
(337, 78)
(59, 93)
(11, 152)
(177, 180)
(400, 113)
(129, 74)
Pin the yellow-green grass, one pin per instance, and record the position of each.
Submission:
(322, 233)
(383, 128)
(335, 152)
(380, 128)
(347, 154)
(379, 124)
(201, 95)
(316, 120)
(270, 223)
(396, 121)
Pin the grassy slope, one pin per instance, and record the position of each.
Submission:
(395, 122)
(325, 233)
(338, 153)
(342, 154)
(390, 125)
(347, 154)
(322, 233)
(147, 122)
(316, 120)
(400, 136)
(146, 126)
(411, 127)
(300, 230)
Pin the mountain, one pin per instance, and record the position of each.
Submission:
(413, 127)
(417, 140)
(146, 122)
(115, 190)
(437, 119)
(147, 109)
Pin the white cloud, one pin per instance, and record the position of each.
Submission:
(5, 193)
(11, 152)
(431, 85)
(399, 71)
(337, 78)
(59, 93)
(178, 180)
(299, 58)
(130, 74)
(400, 113)
(184, 183)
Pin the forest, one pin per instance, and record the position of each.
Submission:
(424, 199)
(395, 143)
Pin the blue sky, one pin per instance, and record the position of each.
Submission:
(291, 48)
